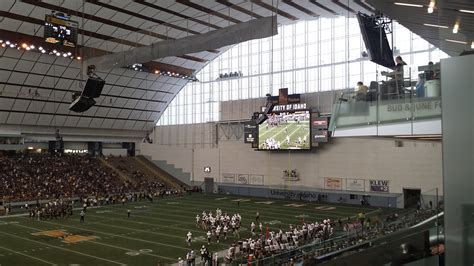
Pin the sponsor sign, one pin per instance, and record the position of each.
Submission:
(320, 123)
(379, 185)
(320, 136)
(243, 179)
(250, 132)
(228, 178)
(355, 184)
(256, 180)
(333, 183)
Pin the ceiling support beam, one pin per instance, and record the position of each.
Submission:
(250, 30)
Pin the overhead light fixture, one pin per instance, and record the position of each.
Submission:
(24, 45)
(472, 45)
(436, 26)
(455, 41)
(456, 28)
(407, 4)
(78, 58)
(431, 6)
(32, 46)
(466, 11)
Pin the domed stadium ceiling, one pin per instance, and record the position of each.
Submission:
(37, 79)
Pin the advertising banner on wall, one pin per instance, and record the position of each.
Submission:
(355, 184)
(228, 178)
(379, 185)
(256, 180)
(242, 179)
(333, 183)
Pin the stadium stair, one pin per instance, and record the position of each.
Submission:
(107, 164)
(168, 178)
(177, 173)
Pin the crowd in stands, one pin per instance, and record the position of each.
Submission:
(35, 177)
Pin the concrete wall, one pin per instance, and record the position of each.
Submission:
(417, 164)
(243, 109)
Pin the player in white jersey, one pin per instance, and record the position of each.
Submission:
(260, 226)
(224, 230)
(218, 233)
(189, 237)
(252, 228)
(197, 220)
(209, 237)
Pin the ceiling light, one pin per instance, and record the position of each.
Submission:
(24, 45)
(32, 46)
(455, 41)
(3, 45)
(27, 48)
(12, 45)
(1, 41)
(157, 71)
(436, 26)
(54, 51)
(7, 42)
(40, 48)
(456, 28)
(472, 45)
(466, 11)
(43, 51)
(69, 53)
(78, 58)
(64, 55)
(58, 54)
(407, 4)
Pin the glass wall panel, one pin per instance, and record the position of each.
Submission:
(307, 56)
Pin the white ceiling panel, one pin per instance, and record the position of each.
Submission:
(58, 120)
(36, 106)
(17, 77)
(118, 124)
(40, 68)
(107, 123)
(96, 122)
(129, 125)
(6, 104)
(4, 74)
(84, 122)
(30, 119)
(71, 121)
(3, 117)
(15, 118)
(20, 105)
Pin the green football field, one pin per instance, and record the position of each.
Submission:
(279, 133)
(154, 234)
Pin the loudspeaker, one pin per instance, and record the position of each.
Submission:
(261, 119)
(93, 88)
(269, 107)
(81, 104)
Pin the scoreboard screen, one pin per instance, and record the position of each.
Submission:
(60, 30)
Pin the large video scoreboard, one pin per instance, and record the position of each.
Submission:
(60, 30)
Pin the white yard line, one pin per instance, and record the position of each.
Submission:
(64, 249)
(26, 255)
(122, 248)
